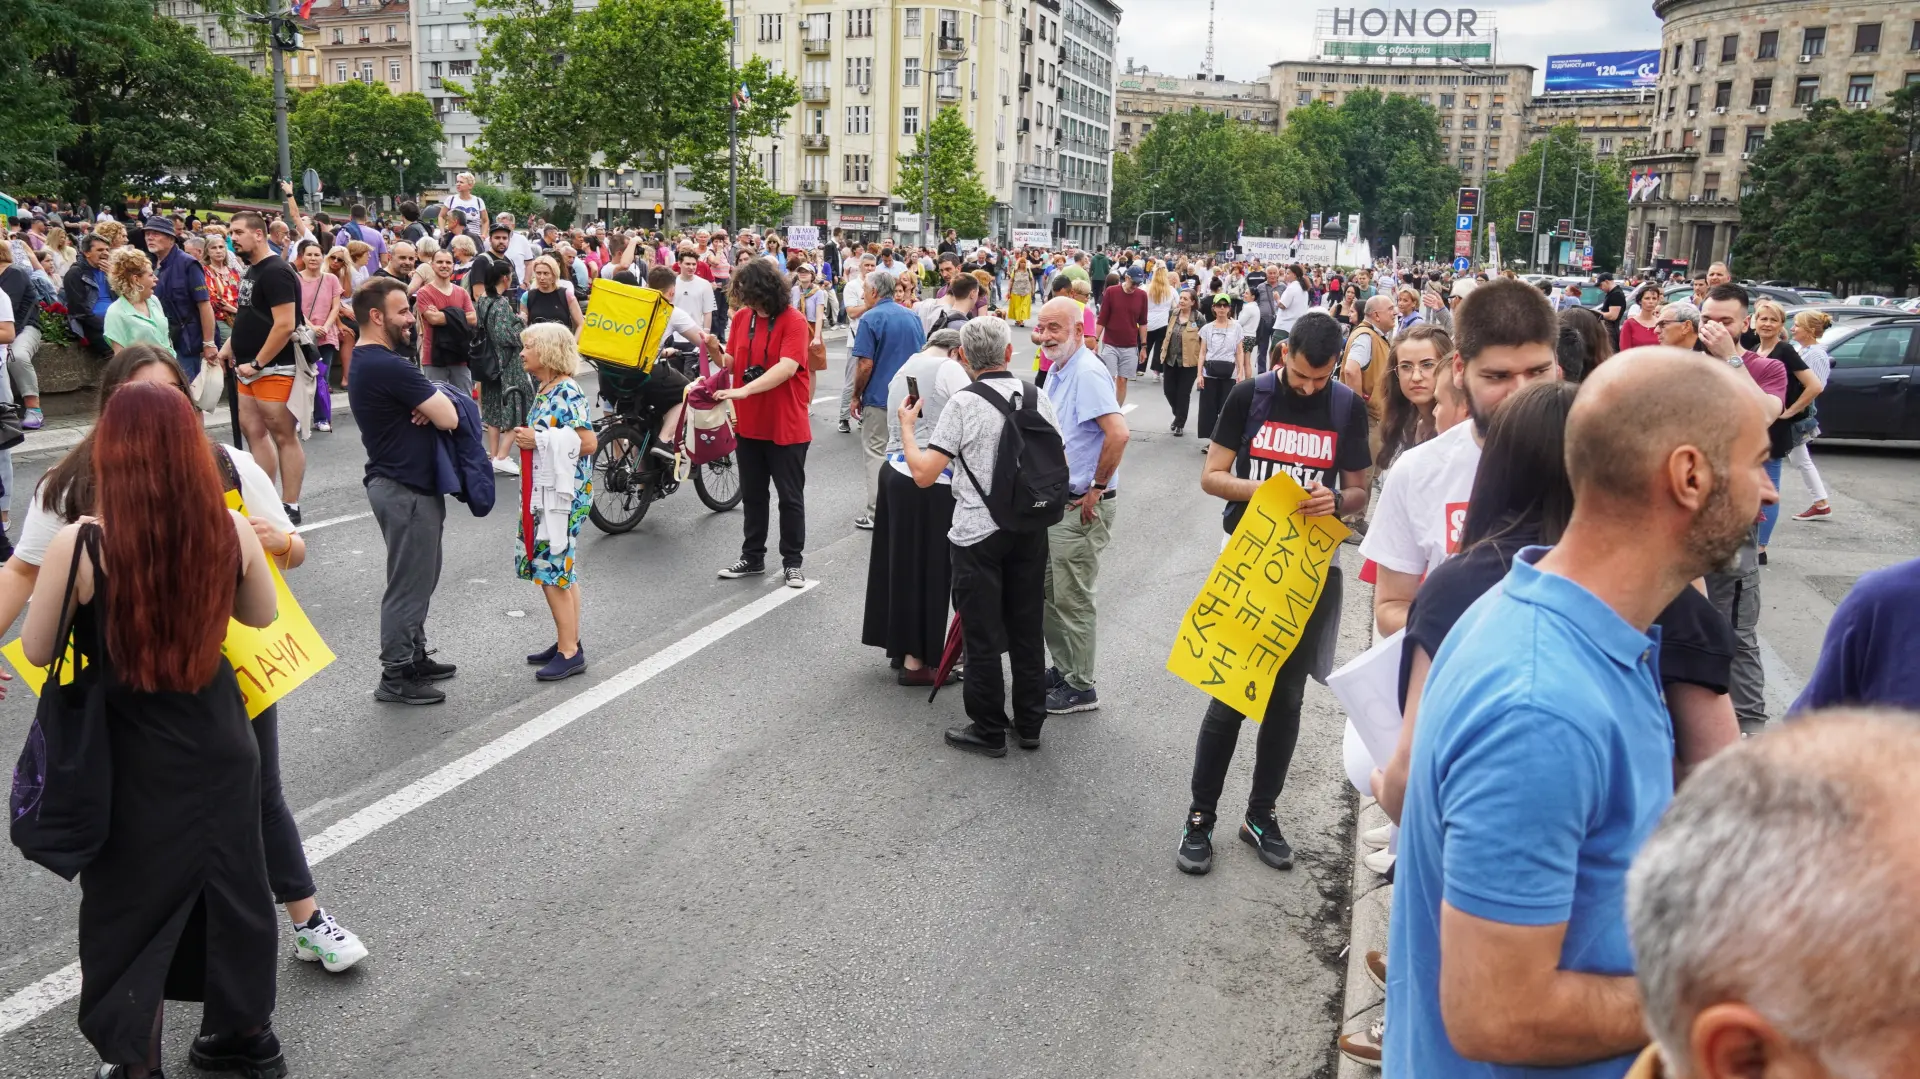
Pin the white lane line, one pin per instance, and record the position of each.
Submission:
(1783, 686)
(826, 397)
(1126, 408)
(331, 521)
(63, 985)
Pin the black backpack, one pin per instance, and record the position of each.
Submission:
(1030, 474)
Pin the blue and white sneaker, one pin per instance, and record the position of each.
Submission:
(1063, 698)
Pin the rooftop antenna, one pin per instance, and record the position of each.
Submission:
(1209, 64)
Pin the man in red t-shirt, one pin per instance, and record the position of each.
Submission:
(773, 390)
(1123, 326)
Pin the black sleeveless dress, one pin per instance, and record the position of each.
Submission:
(176, 905)
(547, 307)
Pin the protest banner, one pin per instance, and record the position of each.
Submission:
(1040, 238)
(1266, 248)
(804, 237)
(1256, 599)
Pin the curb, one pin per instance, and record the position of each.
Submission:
(63, 438)
(1367, 931)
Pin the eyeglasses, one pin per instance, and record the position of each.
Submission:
(1425, 367)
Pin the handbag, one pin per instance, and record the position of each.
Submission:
(817, 349)
(60, 809)
(12, 432)
(706, 424)
(208, 386)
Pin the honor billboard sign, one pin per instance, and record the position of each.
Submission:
(1380, 33)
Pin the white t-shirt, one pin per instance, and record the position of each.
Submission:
(694, 297)
(520, 252)
(854, 294)
(6, 315)
(1158, 314)
(475, 211)
(256, 491)
(1423, 504)
(1292, 304)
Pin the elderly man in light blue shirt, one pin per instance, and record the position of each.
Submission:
(1082, 391)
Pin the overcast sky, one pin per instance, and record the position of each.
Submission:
(1170, 36)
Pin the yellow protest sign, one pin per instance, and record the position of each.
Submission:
(269, 662)
(1254, 605)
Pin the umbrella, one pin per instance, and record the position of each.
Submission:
(949, 656)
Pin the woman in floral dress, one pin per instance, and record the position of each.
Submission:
(548, 355)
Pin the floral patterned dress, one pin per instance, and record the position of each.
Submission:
(562, 405)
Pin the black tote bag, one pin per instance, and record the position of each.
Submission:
(61, 804)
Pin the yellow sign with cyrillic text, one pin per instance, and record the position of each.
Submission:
(1253, 608)
(269, 662)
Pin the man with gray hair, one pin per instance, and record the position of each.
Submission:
(1775, 912)
(889, 335)
(999, 575)
(1678, 325)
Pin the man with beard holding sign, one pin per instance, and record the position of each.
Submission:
(1297, 419)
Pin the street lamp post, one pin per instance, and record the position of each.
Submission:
(733, 125)
(400, 164)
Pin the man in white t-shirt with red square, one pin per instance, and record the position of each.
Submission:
(1505, 332)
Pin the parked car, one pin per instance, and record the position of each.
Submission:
(1871, 391)
(1910, 304)
(1842, 312)
(1589, 292)
(1868, 300)
(1817, 295)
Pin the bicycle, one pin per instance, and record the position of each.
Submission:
(628, 477)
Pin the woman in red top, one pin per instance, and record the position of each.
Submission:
(767, 356)
(1642, 326)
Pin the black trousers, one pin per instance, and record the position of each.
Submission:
(1262, 341)
(999, 592)
(1279, 730)
(1178, 384)
(720, 319)
(1150, 355)
(287, 871)
(761, 460)
(1213, 394)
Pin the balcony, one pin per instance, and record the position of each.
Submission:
(947, 92)
(1026, 35)
(1038, 175)
(951, 46)
(1026, 125)
(816, 45)
(1026, 82)
(814, 93)
(814, 142)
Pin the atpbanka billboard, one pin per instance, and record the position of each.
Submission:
(1390, 34)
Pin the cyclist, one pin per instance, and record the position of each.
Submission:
(665, 389)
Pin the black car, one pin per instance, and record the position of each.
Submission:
(1871, 391)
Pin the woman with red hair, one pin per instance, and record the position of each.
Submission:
(176, 904)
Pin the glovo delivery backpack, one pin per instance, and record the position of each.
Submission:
(623, 324)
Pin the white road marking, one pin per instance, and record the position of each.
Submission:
(1128, 407)
(63, 985)
(331, 521)
(1783, 686)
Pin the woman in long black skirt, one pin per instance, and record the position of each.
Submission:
(910, 573)
(176, 905)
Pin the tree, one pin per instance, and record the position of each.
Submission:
(759, 203)
(1602, 195)
(959, 200)
(1831, 197)
(104, 97)
(517, 200)
(346, 132)
(1392, 164)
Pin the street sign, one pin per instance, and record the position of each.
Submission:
(906, 222)
(310, 181)
(1464, 221)
(1463, 241)
(1586, 258)
(1563, 227)
(658, 209)
(1461, 263)
(1580, 237)
(1469, 200)
(1526, 221)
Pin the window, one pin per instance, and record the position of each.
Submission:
(1699, 51)
(1468, 123)
(860, 22)
(1913, 43)
(859, 119)
(553, 178)
(1762, 94)
(1676, 57)
(340, 71)
(1493, 123)
(1885, 347)
(393, 32)
(1769, 45)
(1866, 37)
(1446, 101)
(1493, 143)
(1466, 143)
(1756, 135)
(459, 67)
(1805, 89)
(393, 71)
(1717, 140)
(1710, 186)
(1473, 101)
(770, 27)
(1687, 138)
(364, 33)
(339, 36)
(366, 71)
(1499, 101)
(910, 121)
(1722, 95)
(1693, 98)
(1305, 97)
(910, 22)
(1859, 89)
(911, 71)
(1813, 42)
(856, 168)
(859, 71)
(815, 122)
(1729, 48)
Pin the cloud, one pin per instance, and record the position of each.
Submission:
(1170, 36)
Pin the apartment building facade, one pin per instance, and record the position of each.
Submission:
(367, 40)
(1142, 96)
(242, 42)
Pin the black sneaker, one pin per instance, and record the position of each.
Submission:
(974, 740)
(407, 690)
(257, 1056)
(427, 669)
(742, 568)
(1026, 740)
(1196, 845)
(293, 513)
(1263, 834)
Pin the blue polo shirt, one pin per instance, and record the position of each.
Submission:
(1082, 392)
(1542, 759)
(888, 335)
(181, 291)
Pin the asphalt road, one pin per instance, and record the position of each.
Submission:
(735, 848)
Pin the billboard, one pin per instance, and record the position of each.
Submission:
(1603, 71)
(1404, 34)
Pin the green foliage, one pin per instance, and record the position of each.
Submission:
(760, 204)
(959, 200)
(1507, 193)
(1833, 197)
(104, 98)
(518, 201)
(345, 131)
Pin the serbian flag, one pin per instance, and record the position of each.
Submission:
(305, 9)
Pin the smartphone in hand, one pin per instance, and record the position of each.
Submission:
(913, 390)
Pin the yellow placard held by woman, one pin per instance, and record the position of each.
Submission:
(623, 324)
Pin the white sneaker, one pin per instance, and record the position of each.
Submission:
(329, 944)
(506, 466)
(1377, 838)
(1379, 861)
